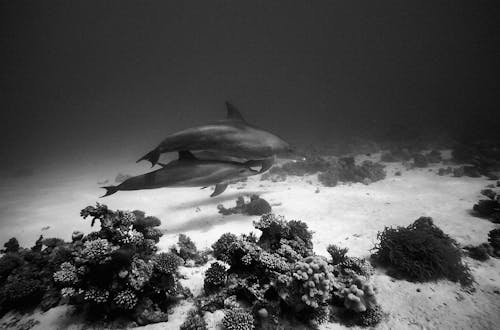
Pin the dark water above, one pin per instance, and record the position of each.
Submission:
(85, 81)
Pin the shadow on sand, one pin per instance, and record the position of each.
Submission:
(216, 200)
(205, 222)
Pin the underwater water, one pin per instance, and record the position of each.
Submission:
(373, 114)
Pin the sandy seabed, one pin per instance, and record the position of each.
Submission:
(348, 215)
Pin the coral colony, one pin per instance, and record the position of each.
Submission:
(116, 275)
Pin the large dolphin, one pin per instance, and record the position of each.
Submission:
(232, 137)
(188, 171)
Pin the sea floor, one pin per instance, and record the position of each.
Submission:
(348, 215)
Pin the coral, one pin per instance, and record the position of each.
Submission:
(356, 266)
(97, 251)
(67, 274)
(126, 299)
(21, 290)
(194, 321)
(52, 242)
(238, 320)
(420, 160)
(9, 262)
(256, 206)
(338, 254)
(221, 246)
(12, 245)
(167, 263)
(330, 177)
(277, 231)
(315, 279)
(68, 292)
(215, 277)
(95, 295)
(421, 252)
(434, 157)
(488, 208)
(187, 248)
(371, 317)
(360, 296)
(139, 274)
(494, 240)
(480, 252)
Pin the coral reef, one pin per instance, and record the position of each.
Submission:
(116, 271)
(480, 252)
(421, 252)
(256, 206)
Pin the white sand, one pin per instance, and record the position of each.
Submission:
(347, 215)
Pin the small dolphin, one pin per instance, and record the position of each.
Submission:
(188, 171)
(233, 137)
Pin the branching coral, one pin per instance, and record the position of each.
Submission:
(95, 295)
(221, 246)
(256, 206)
(67, 274)
(421, 252)
(126, 299)
(215, 277)
(97, 251)
(167, 263)
(238, 320)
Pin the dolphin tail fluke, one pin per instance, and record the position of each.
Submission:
(219, 189)
(152, 157)
(110, 190)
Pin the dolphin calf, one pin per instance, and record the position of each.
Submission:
(188, 171)
(233, 137)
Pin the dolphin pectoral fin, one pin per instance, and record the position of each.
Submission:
(264, 164)
(110, 190)
(151, 156)
(233, 113)
(219, 189)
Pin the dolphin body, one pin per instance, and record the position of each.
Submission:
(188, 171)
(232, 137)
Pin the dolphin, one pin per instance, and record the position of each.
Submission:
(232, 137)
(188, 171)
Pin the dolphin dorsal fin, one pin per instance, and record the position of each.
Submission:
(186, 155)
(233, 113)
